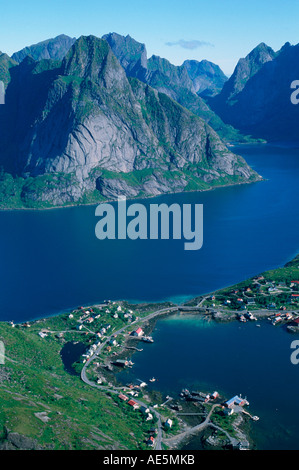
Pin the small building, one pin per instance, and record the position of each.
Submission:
(134, 404)
(121, 363)
(236, 400)
(144, 409)
(42, 334)
(123, 397)
(168, 423)
(228, 411)
(151, 441)
(140, 383)
(138, 332)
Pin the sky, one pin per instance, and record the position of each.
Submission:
(221, 31)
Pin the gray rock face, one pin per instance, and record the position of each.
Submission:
(90, 119)
(207, 78)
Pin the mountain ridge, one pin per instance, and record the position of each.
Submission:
(85, 123)
(258, 102)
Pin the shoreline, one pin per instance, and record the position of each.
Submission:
(99, 370)
(108, 200)
(187, 430)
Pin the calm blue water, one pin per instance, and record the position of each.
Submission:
(51, 261)
(233, 359)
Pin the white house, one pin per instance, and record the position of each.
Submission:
(168, 423)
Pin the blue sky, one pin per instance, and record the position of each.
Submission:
(221, 31)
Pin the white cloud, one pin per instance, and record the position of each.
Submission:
(193, 44)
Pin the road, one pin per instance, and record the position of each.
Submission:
(158, 445)
(200, 427)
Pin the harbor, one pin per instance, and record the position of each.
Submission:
(223, 358)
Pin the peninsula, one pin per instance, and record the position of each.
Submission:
(58, 386)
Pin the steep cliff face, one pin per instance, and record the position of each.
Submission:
(84, 117)
(256, 99)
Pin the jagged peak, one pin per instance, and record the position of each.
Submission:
(261, 49)
(84, 54)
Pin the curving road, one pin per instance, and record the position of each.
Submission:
(158, 445)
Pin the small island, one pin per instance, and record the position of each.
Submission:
(58, 383)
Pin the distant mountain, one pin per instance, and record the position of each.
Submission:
(55, 48)
(188, 84)
(131, 54)
(80, 129)
(180, 83)
(246, 69)
(256, 98)
(207, 78)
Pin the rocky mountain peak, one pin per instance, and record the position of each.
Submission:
(91, 58)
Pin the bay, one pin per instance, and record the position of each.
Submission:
(233, 358)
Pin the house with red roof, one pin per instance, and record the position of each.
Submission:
(139, 332)
(134, 404)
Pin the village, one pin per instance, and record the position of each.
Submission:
(111, 332)
(278, 301)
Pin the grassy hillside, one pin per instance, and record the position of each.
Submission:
(44, 406)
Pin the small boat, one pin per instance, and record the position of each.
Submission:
(152, 379)
(255, 418)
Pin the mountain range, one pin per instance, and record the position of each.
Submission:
(81, 128)
(256, 98)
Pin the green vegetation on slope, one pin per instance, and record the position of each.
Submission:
(42, 402)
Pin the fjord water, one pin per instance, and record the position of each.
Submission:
(51, 261)
(233, 358)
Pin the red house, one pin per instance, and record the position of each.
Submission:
(133, 404)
